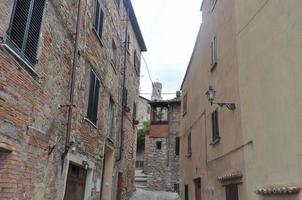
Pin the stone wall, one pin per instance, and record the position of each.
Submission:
(34, 103)
(162, 165)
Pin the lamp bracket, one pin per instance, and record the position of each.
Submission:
(230, 106)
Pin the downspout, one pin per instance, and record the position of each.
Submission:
(124, 83)
(73, 79)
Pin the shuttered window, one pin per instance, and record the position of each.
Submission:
(125, 97)
(25, 27)
(215, 126)
(184, 105)
(189, 145)
(134, 111)
(93, 100)
(136, 62)
(231, 192)
(213, 52)
(98, 19)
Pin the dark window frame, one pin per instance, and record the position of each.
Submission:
(117, 3)
(186, 192)
(111, 110)
(98, 21)
(215, 126)
(24, 31)
(93, 98)
(158, 145)
(213, 53)
(231, 192)
(177, 146)
(185, 104)
(189, 145)
(136, 62)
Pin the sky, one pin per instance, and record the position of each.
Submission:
(169, 28)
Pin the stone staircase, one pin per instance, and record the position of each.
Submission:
(140, 179)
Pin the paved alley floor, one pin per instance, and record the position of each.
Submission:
(153, 195)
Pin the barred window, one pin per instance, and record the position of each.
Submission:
(25, 27)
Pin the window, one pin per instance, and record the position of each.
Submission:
(189, 146)
(177, 146)
(134, 113)
(128, 43)
(125, 97)
(160, 115)
(213, 3)
(117, 3)
(110, 119)
(98, 19)
(184, 105)
(136, 63)
(113, 53)
(158, 145)
(186, 192)
(215, 126)
(213, 52)
(25, 27)
(93, 100)
(76, 181)
(176, 188)
(231, 192)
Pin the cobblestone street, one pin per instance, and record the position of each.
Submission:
(153, 195)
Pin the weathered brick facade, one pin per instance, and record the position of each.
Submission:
(161, 154)
(34, 104)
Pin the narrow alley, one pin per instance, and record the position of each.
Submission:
(141, 194)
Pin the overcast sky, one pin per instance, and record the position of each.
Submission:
(169, 28)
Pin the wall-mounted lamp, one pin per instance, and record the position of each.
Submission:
(211, 96)
(85, 164)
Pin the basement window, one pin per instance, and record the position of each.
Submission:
(158, 145)
(23, 34)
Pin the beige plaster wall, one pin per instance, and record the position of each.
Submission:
(210, 161)
(269, 57)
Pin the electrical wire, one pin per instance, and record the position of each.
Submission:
(146, 65)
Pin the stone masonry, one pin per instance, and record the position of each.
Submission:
(34, 102)
(161, 160)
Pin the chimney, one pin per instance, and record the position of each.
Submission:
(156, 91)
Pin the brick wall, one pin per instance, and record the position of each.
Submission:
(33, 111)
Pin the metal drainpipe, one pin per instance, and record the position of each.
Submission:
(73, 78)
(124, 83)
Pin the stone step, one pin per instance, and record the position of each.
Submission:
(140, 180)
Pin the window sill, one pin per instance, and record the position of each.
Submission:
(20, 60)
(215, 141)
(91, 123)
(97, 35)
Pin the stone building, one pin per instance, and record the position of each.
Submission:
(66, 121)
(143, 115)
(246, 145)
(162, 146)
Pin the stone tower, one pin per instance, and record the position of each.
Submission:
(156, 91)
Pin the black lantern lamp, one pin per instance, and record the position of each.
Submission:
(211, 96)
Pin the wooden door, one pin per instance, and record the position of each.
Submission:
(197, 183)
(75, 185)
